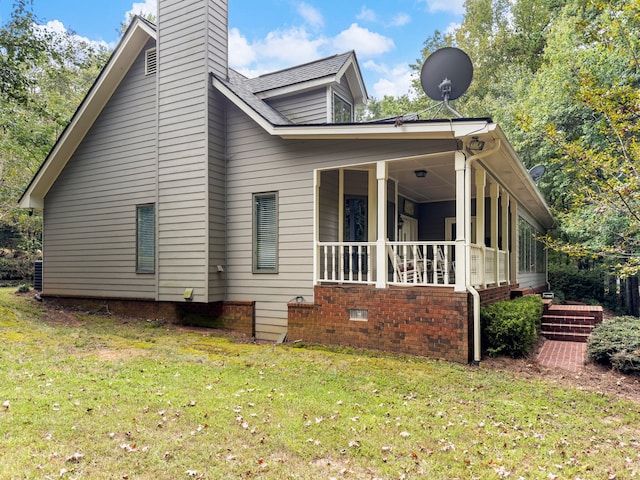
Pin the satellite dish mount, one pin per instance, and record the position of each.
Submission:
(446, 74)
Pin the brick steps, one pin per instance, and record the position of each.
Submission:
(570, 323)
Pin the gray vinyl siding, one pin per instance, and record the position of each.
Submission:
(217, 51)
(217, 200)
(258, 163)
(90, 211)
(191, 43)
(305, 108)
(328, 220)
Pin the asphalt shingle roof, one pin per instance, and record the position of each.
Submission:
(238, 84)
(324, 67)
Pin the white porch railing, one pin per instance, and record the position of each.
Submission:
(487, 274)
(422, 263)
(408, 263)
(346, 262)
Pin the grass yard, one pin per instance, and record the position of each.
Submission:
(97, 397)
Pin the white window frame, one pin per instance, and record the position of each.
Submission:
(265, 232)
(344, 101)
(531, 251)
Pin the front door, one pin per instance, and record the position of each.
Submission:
(355, 230)
(408, 231)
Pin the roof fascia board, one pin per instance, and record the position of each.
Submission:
(353, 77)
(99, 94)
(296, 88)
(242, 105)
(523, 175)
(431, 130)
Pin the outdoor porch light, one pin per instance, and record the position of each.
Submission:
(476, 144)
(420, 173)
(400, 221)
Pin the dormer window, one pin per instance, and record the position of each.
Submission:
(342, 110)
(150, 62)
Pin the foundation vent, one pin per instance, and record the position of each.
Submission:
(358, 314)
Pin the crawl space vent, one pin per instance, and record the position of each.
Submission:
(358, 314)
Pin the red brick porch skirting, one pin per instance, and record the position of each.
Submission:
(429, 321)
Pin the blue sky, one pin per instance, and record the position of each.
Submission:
(267, 35)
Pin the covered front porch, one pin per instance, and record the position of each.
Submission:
(433, 220)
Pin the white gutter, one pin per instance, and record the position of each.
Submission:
(477, 353)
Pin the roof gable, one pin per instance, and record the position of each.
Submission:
(140, 31)
(325, 71)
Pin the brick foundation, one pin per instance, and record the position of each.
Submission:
(429, 321)
(516, 291)
(236, 316)
(494, 294)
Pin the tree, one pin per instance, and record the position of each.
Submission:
(43, 77)
(600, 212)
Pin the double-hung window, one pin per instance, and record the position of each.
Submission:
(265, 232)
(145, 238)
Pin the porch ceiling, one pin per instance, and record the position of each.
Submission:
(439, 184)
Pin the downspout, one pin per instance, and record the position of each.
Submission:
(477, 354)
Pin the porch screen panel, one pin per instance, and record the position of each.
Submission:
(145, 239)
(265, 257)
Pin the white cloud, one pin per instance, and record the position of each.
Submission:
(310, 14)
(367, 15)
(142, 8)
(365, 42)
(278, 45)
(451, 28)
(57, 27)
(274, 52)
(241, 53)
(394, 81)
(451, 6)
(400, 20)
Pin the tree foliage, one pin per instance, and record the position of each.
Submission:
(562, 79)
(43, 76)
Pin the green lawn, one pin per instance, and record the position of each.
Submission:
(107, 399)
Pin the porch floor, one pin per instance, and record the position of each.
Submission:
(565, 355)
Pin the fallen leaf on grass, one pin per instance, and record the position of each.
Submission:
(75, 458)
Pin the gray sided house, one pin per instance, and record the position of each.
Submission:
(181, 186)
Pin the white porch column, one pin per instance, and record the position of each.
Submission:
(341, 205)
(513, 253)
(494, 191)
(481, 181)
(381, 250)
(504, 198)
(462, 270)
(316, 230)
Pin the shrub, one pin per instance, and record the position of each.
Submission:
(616, 342)
(588, 286)
(511, 327)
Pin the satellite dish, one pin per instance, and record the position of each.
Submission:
(537, 172)
(446, 74)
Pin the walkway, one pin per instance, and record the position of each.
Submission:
(566, 355)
